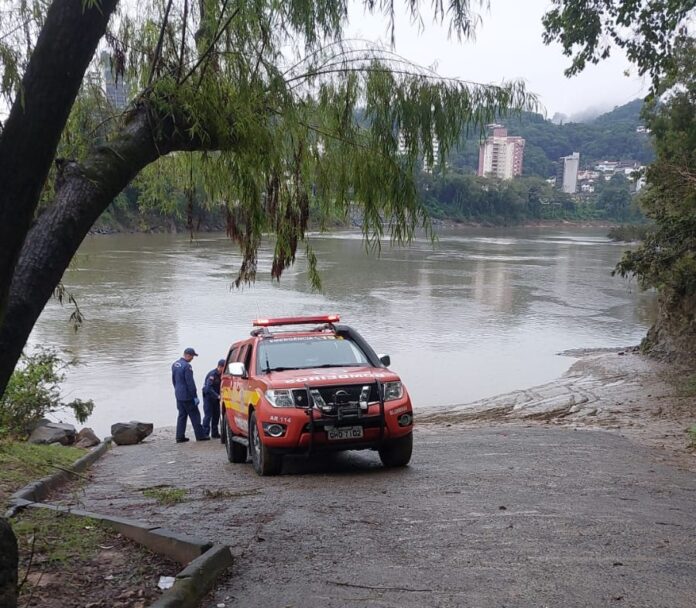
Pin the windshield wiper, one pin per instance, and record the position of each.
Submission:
(278, 369)
(333, 365)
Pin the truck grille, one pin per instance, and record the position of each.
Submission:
(344, 398)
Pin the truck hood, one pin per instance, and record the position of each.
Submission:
(327, 376)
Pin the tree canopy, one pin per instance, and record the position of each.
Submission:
(253, 103)
(656, 37)
(645, 29)
(667, 258)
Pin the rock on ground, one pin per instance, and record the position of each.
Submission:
(86, 438)
(130, 433)
(53, 432)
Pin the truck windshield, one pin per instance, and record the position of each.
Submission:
(303, 353)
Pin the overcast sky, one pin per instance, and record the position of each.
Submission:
(508, 45)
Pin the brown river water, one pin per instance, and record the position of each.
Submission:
(481, 312)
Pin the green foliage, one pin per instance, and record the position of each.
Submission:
(34, 391)
(258, 103)
(645, 29)
(667, 258)
(464, 197)
(22, 462)
(630, 232)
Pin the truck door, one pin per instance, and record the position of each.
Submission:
(226, 387)
(237, 413)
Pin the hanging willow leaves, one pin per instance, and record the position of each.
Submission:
(285, 119)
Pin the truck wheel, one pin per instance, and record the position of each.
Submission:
(397, 452)
(236, 452)
(264, 462)
(223, 424)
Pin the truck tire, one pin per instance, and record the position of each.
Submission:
(264, 462)
(397, 452)
(236, 452)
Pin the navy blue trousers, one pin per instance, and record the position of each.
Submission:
(187, 409)
(211, 415)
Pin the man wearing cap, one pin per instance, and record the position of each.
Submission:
(186, 399)
(211, 400)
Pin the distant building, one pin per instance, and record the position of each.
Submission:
(567, 177)
(501, 155)
(589, 176)
(607, 166)
(114, 85)
(427, 168)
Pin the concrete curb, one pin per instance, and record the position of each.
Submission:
(197, 579)
(204, 562)
(173, 545)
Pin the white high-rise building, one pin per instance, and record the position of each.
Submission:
(114, 86)
(567, 178)
(501, 155)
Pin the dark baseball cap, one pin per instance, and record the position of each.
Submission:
(221, 362)
(190, 351)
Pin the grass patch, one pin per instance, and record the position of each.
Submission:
(691, 431)
(222, 493)
(68, 561)
(166, 495)
(22, 462)
(687, 387)
(56, 536)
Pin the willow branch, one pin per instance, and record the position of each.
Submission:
(160, 41)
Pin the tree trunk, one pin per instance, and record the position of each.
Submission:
(32, 131)
(85, 191)
(9, 559)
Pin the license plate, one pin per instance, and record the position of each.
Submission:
(344, 432)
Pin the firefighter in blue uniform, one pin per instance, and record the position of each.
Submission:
(211, 400)
(186, 399)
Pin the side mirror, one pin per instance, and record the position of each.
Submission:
(237, 369)
(385, 359)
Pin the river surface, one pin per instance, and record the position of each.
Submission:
(480, 312)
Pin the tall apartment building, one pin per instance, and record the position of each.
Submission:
(114, 86)
(501, 155)
(567, 176)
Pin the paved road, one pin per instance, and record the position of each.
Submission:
(484, 517)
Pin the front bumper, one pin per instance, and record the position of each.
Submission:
(306, 430)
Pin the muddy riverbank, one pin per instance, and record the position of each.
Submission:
(641, 398)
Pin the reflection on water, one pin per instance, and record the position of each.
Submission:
(478, 313)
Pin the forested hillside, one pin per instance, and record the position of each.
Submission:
(611, 136)
(458, 194)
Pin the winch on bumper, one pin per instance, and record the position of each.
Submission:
(331, 418)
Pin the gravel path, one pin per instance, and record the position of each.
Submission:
(485, 516)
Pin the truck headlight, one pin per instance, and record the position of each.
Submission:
(393, 390)
(280, 398)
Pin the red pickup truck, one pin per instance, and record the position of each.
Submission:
(307, 390)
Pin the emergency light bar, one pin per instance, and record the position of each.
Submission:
(295, 320)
